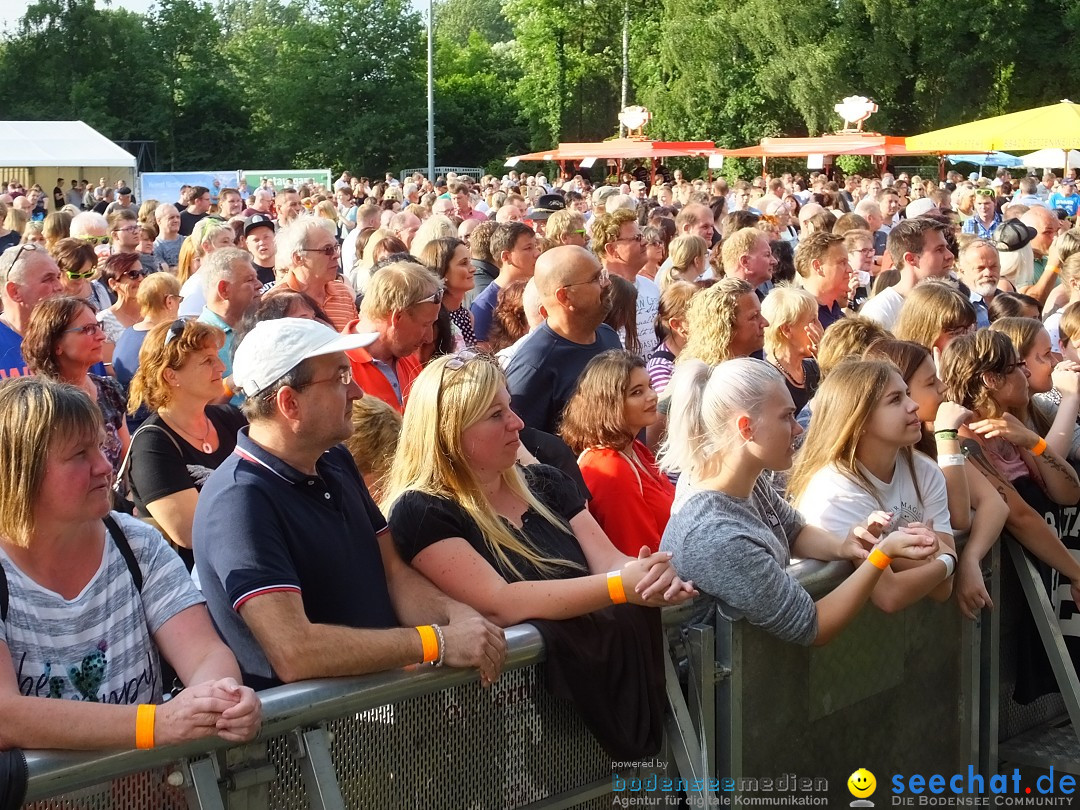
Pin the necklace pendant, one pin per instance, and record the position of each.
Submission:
(206, 448)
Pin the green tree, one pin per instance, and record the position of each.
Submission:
(457, 20)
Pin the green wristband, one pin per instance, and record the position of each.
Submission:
(947, 435)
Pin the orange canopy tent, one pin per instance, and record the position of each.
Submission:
(870, 144)
(621, 149)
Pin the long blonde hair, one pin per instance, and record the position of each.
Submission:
(710, 321)
(430, 457)
(843, 405)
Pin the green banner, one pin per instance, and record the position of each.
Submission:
(286, 177)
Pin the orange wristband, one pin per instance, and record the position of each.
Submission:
(879, 559)
(1039, 448)
(615, 588)
(430, 642)
(144, 725)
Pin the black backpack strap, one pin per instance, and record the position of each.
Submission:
(121, 542)
(3, 595)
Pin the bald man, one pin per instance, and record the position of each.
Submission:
(1045, 223)
(31, 275)
(542, 376)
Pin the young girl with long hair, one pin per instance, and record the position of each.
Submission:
(974, 505)
(613, 403)
(734, 533)
(858, 456)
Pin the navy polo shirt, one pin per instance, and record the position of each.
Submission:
(262, 526)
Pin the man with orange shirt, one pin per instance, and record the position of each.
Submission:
(401, 304)
(308, 252)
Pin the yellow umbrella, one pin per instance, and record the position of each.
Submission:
(1056, 126)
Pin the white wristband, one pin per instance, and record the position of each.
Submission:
(950, 562)
(951, 460)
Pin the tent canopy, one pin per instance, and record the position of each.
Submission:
(1056, 126)
(1051, 159)
(623, 149)
(35, 144)
(865, 143)
(988, 159)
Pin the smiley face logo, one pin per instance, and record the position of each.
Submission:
(862, 783)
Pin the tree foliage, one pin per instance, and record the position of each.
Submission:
(342, 82)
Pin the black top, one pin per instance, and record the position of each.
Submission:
(544, 373)
(551, 449)
(188, 220)
(159, 470)
(418, 520)
(811, 380)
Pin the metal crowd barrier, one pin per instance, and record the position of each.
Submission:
(472, 171)
(920, 691)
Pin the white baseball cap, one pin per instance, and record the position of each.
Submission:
(273, 348)
(923, 205)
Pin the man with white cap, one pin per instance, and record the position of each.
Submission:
(296, 562)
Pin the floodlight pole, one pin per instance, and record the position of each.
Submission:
(430, 92)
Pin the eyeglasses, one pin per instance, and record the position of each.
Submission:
(71, 274)
(602, 278)
(343, 376)
(637, 237)
(582, 231)
(327, 251)
(128, 229)
(1009, 369)
(94, 240)
(89, 330)
(865, 251)
(435, 298)
(960, 331)
(31, 246)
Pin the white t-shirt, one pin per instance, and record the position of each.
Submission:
(97, 646)
(836, 503)
(648, 304)
(192, 297)
(884, 307)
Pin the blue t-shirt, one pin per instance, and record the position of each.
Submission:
(262, 526)
(482, 309)
(125, 364)
(544, 373)
(1070, 203)
(12, 363)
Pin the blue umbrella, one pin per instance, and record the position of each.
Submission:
(989, 159)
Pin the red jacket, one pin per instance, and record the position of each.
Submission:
(374, 382)
(631, 502)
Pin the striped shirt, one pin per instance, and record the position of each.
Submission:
(339, 304)
(97, 646)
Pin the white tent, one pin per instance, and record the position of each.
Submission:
(42, 151)
(1051, 159)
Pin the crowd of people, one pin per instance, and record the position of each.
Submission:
(259, 436)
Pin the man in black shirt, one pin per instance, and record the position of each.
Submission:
(260, 240)
(198, 208)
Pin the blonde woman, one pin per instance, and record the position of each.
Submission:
(725, 321)
(736, 534)
(791, 340)
(933, 315)
(688, 254)
(57, 226)
(1064, 260)
(327, 210)
(434, 227)
(514, 543)
(209, 235)
(858, 458)
(671, 331)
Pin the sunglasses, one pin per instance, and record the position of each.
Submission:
(79, 276)
(94, 240)
(133, 275)
(31, 246)
(176, 330)
(984, 192)
(435, 298)
(454, 362)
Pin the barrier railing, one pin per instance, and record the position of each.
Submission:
(912, 692)
(471, 171)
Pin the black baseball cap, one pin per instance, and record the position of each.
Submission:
(258, 221)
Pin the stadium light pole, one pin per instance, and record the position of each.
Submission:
(430, 92)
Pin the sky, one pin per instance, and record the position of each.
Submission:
(12, 10)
